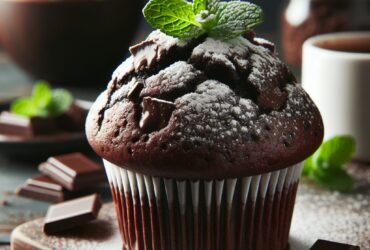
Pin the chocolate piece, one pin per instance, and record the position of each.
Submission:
(134, 93)
(43, 188)
(250, 35)
(17, 125)
(72, 120)
(72, 213)
(264, 43)
(156, 113)
(73, 171)
(330, 245)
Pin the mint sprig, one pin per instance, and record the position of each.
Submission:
(174, 17)
(236, 18)
(219, 19)
(326, 165)
(43, 102)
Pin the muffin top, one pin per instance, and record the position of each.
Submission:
(203, 109)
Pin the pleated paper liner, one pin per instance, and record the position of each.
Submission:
(242, 213)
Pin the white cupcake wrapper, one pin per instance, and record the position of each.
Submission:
(238, 213)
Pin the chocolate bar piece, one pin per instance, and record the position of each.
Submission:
(73, 120)
(330, 245)
(43, 188)
(17, 125)
(73, 171)
(71, 213)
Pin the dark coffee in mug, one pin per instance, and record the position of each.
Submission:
(347, 44)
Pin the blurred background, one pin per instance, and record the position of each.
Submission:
(78, 43)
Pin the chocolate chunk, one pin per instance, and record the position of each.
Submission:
(330, 245)
(72, 213)
(219, 61)
(250, 35)
(155, 51)
(43, 188)
(73, 119)
(134, 92)
(73, 171)
(16, 125)
(136, 48)
(264, 43)
(156, 113)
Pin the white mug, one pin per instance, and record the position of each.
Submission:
(336, 74)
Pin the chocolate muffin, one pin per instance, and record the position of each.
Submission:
(202, 142)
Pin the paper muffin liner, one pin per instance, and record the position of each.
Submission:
(241, 213)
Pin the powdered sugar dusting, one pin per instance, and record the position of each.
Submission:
(230, 53)
(321, 214)
(229, 98)
(125, 68)
(224, 114)
(177, 77)
(266, 69)
(148, 53)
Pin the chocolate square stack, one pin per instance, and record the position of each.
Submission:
(63, 177)
(15, 125)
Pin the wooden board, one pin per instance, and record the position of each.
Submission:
(100, 234)
(318, 214)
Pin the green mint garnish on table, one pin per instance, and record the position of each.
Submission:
(326, 165)
(44, 102)
(217, 19)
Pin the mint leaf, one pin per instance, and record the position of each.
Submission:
(173, 17)
(43, 103)
(41, 94)
(308, 166)
(24, 106)
(61, 102)
(333, 179)
(326, 165)
(221, 20)
(236, 18)
(199, 5)
(212, 5)
(337, 151)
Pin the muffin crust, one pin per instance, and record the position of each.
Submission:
(203, 109)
